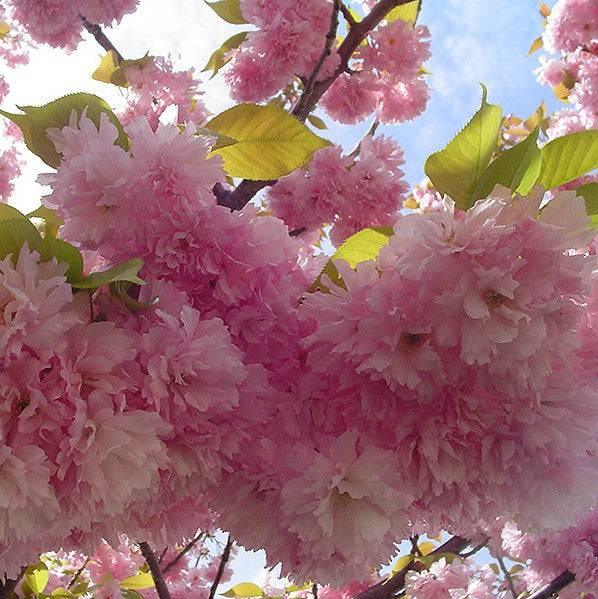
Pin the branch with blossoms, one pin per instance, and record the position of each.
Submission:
(239, 197)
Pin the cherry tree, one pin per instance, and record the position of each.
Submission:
(184, 371)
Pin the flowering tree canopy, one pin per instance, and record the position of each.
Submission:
(179, 356)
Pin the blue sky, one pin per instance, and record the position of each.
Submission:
(472, 41)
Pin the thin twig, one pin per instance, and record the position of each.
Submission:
(223, 561)
(370, 132)
(154, 566)
(102, 39)
(239, 197)
(182, 553)
(314, 590)
(507, 576)
(552, 588)
(328, 43)
(78, 573)
(476, 548)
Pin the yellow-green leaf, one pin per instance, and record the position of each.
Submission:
(406, 12)
(4, 29)
(364, 245)
(244, 589)
(589, 192)
(112, 71)
(220, 57)
(229, 10)
(317, 122)
(36, 577)
(269, 142)
(401, 564)
(426, 547)
(457, 169)
(568, 157)
(517, 168)
(142, 580)
(127, 271)
(536, 45)
(62, 593)
(36, 121)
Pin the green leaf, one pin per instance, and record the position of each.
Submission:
(406, 12)
(120, 289)
(112, 71)
(127, 271)
(220, 57)
(36, 577)
(269, 142)
(457, 169)
(8, 212)
(51, 247)
(36, 121)
(568, 157)
(364, 245)
(14, 233)
(431, 558)
(131, 594)
(244, 589)
(52, 220)
(141, 580)
(229, 10)
(517, 168)
(589, 192)
(317, 122)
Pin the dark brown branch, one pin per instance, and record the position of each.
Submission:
(223, 561)
(101, 38)
(329, 42)
(246, 190)
(347, 14)
(154, 566)
(78, 573)
(314, 590)
(388, 587)
(552, 588)
(183, 552)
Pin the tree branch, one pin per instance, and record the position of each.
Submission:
(182, 553)
(223, 561)
(388, 587)
(507, 576)
(239, 197)
(552, 588)
(154, 566)
(347, 14)
(9, 585)
(371, 131)
(78, 573)
(101, 38)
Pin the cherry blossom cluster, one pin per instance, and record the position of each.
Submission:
(59, 23)
(386, 77)
(571, 34)
(155, 86)
(574, 549)
(349, 193)
(383, 77)
(289, 41)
